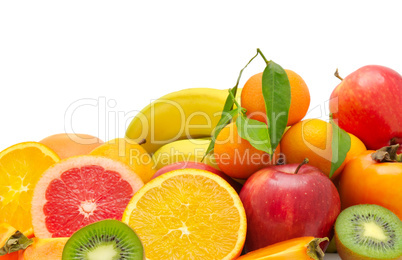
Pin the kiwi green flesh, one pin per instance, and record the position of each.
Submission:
(106, 239)
(369, 231)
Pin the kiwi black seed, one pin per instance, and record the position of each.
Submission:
(368, 232)
(107, 239)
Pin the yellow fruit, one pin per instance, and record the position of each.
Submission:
(184, 114)
(130, 153)
(188, 214)
(188, 150)
(312, 138)
(21, 166)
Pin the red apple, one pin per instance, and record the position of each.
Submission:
(367, 103)
(198, 165)
(282, 203)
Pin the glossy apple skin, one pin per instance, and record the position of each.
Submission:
(281, 205)
(367, 103)
(198, 165)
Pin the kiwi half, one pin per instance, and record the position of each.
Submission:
(368, 232)
(107, 239)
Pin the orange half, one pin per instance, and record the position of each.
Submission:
(188, 214)
(21, 166)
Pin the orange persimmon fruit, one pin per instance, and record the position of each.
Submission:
(301, 248)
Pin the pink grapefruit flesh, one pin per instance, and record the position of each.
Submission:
(79, 191)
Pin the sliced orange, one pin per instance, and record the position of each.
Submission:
(188, 214)
(21, 166)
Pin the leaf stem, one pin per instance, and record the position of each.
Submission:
(234, 99)
(262, 55)
(241, 71)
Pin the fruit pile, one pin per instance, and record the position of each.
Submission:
(218, 174)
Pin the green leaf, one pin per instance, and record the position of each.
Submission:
(340, 147)
(227, 112)
(16, 242)
(229, 101)
(255, 132)
(276, 92)
(225, 118)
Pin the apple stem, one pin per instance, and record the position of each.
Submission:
(305, 161)
(337, 74)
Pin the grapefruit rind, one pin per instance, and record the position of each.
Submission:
(158, 182)
(54, 172)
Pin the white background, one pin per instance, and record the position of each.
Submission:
(114, 57)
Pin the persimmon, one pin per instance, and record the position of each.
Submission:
(366, 181)
(44, 249)
(307, 248)
(11, 242)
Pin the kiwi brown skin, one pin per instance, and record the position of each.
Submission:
(346, 254)
(331, 247)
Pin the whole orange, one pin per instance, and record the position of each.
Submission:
(253, 100)
(236, 157)
(312, 138)
(67, 144)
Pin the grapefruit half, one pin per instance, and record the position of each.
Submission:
(79, 191)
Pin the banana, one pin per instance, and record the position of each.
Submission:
(185, 114)
(188, 150)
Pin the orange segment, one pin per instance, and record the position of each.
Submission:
(21, 166)
(188, 214)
